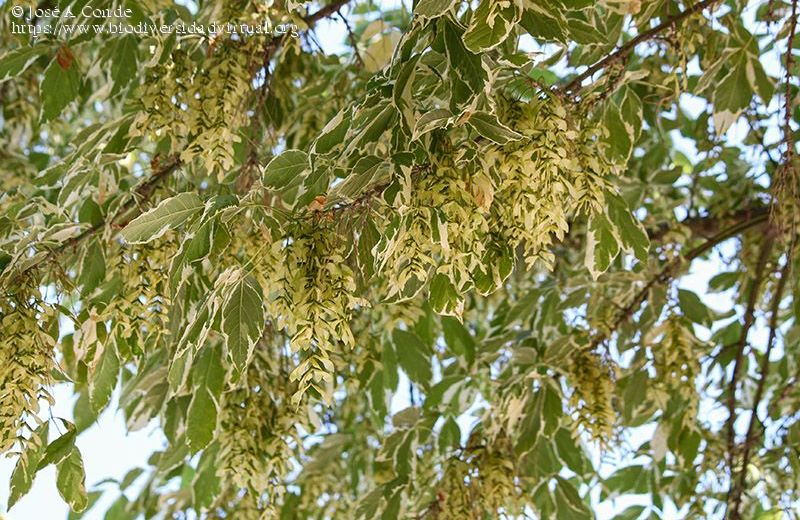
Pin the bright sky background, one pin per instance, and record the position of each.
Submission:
(109, 452)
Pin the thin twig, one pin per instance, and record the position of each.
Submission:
(668, 270)
(353, 41)
(787, 112)
(625, 49)
(749, 319)
(736, 492)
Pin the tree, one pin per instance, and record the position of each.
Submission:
(311, 268)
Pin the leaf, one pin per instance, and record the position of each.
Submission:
(438, 118)
(129, 478)
(104, 377)
(444, 297)
(208, 380)
(363, 174)
(490, 25)
(285, 170)
(124, 61)
(630, 232)
(71, 481)
(601, 245)
(169, 214)
(206, 483)
(619, 136)
(61, 83)
(433, 8)
(489, 127)
(120, 510)
(93, 267)
(693, 308)
(332, 134)
(378, 54)
(458, 338)
(731, 95)
(60, 448)
(13, 63)
(413, 356)
(583, 32)
(543, 23)
(370, 126)
(569, 503)
(465, 65)
(631, 513)
(243, 320)
(28, 464)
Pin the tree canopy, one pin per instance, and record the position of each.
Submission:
(439, 270)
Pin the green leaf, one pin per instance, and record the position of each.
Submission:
(208, 380)
(243, 320)
(61, 83)
(129, 478)
(285, 170)
(630, 232)
(458, 338)
(364, 173)
(412, 356)
(206, 483)
(28, 464)
(731, 95)
(601, 245)
(93, 267)
(466, 65)
(124, 61)
(583, 32)
(120, 510)
(489, 127)
(693, 308)
(104, 376)
(490, 25)
(631, 513)
(619, 136)
(332, 133)
(371, 124)
(433, 8)
(569, 451)
(569, 503)
(432, 120)
(444, 297)
(71, 481)
(543, 23)
(13, 63)
(60, 448)
(169, 214)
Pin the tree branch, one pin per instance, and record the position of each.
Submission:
(325, 12)
(140, 194)
(667, 272)
(353, 42)
(787, 112)
(736, 491)
(749, 319)
(271, 47)
(708, 225)
(625, 49)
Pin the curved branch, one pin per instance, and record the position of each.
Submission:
(667, 272)
(622, 51)
(140, 194)
(325, 12)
